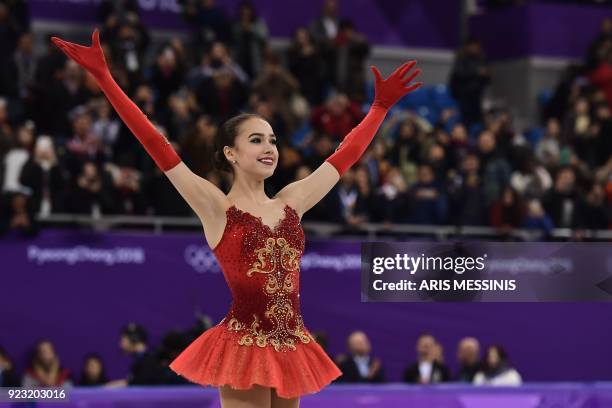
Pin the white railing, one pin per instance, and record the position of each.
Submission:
(324, 229)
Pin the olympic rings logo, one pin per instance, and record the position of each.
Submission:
(201, 259)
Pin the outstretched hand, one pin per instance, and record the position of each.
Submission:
(90, 58)
(389, 91)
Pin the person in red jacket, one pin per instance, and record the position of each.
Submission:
(336, 117)
(601, 77)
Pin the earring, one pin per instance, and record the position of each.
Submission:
(235, 162)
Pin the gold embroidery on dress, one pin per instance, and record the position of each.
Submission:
(279, 310)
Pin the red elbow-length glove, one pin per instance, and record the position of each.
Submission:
(387, 93)
(92, 59)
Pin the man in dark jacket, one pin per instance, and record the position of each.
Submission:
(469, 77)
(426, 370)
(360, 365)
(145, 368)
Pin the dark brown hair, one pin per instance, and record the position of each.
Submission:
(226, 136)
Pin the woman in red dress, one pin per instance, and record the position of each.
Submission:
(260, 354)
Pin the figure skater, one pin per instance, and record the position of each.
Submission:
(260, 354)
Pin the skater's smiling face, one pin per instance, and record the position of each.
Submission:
(254, 153)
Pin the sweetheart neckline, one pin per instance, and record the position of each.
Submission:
(272, 230)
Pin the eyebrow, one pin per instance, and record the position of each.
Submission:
(261, 134)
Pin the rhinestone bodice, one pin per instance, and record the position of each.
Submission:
(261, 265)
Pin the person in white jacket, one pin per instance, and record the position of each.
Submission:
(496, 370)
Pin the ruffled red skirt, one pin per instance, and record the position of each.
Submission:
(215, 358)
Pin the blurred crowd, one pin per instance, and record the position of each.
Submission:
(438, 158)
(149, 363)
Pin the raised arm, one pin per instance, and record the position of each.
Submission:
(205, 198)
(303, 194)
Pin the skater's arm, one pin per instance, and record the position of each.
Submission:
(203, 197)
(302, 195)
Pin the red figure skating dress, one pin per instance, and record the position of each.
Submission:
(262, 340)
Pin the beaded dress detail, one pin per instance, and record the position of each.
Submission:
(262, 339)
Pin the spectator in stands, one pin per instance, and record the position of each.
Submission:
(44, 178)
(8, 376)
(530, 180)
(466, 195)
(92, 372)
(167, 77)
(127, 189)
(63, 96)
(426, 370)
(596, 212)
(393, 197)
(601, 75)
(429, 203)
(508, 212)
(469, 77)
(105, 126)
(17, 214)
(19, 72)
(183, 109)
(496, 170)
(16, 158)
(323, 31)
(128, 39)
(46, 369)
(578, 128)
(279, 88)
(91, 192)
(209, 23)
(404, 149)
(602, 130)
(360, 366)
(84, 145)
(548, 149)
(468, 357)
(345, 203)
(458, 146)
(496, 369)
(249, 39)
(307, 66)
(366, 192)
(537, 219)
(145, 367)
(9, 30)
(217, 59)
(352, 49)
(563, 202)
(222, 95)
(198, 145)
(437, 158)
(7, 133)
(600, 44)
(337, 116)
